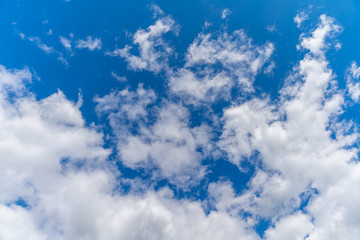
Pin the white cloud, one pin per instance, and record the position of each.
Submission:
(299, 157)
(41, 144)
(153, 50)
(353, 86)
(225, 13)
(201, 81)
(45, 48)
(65, 42)
(41, 45)
(16, 223)
(295, 226)
(118, 78)
(300, 18)
(156, 11)
(271, 28)
(206, 88)
(58, 166)
(169, 143)
(235, 52)
(316, 43)
(90, 43)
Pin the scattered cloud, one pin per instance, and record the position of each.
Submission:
(118, 78)
(297, 153)
(300, 18)
(90, 43)
(41, 45)
(226, 12)
(271, 28)
(45, 48)
(353, 85)
(169, 143)
(153, 50)
(65, 42)
(235, 52)
(58, 181)
(326, 28)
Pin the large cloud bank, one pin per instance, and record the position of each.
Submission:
(57, 180)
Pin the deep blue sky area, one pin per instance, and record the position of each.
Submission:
(34, 34)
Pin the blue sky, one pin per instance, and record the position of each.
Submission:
(179, 120)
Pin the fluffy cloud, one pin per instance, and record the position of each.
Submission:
(240, 62)
(55, 182)
(153, 50)
(169, 143)
(235, 52)
(300, 158)
(316, 43)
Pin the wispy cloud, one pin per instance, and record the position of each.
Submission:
(226, 12)
(65, 42)
(44, 47)
(118, 78)
(91, 43)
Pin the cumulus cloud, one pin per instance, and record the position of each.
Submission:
(55, 165)
(58, 181)
(297, 151)
(169, 143)
(154, 52)
(240, 61)
(316, 43)
(91, 43)
(235, 52)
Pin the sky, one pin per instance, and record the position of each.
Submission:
(204, 119)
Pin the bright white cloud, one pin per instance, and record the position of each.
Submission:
(57, 165)
(326, 28)
(65, 42)
(240, 62)
(52, 161)
(205, 88)
(300, 18)
(153, 50)
(235, 52)
(295, 226)
(294, 140)
(91, 43)
(169, 143)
